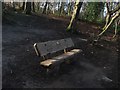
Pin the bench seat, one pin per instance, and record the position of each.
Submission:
(60, 58)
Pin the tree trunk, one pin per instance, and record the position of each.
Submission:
(14, 8)
(107, 20)
(111, 21)
(38, 6)
(58, 6)
(45, 8)
(61, 10)
(69, 8)
(116, 25)
(48, 10)
(33, 6)
(78, 10)
(75, 15)
(53, 8)
(110, 18)
(23, 6)
(28, 8)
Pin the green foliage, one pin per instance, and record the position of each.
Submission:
(118, 28)
(100, 20)
(93, 11)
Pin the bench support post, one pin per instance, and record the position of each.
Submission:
(43, 57)
(65, 51)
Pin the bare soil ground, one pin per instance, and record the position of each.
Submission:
(95, 67)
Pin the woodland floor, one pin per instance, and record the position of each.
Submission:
(95, 67)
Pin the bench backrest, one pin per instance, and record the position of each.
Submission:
(50, 47)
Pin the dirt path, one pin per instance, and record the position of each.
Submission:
(95, 67)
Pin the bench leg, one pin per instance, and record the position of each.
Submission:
(48, 70)
(65, 51)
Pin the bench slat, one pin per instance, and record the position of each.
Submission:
(45, 48)
(42, 48)
(69, 42)
(60, 58)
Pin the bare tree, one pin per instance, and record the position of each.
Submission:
(61, 10)
(28, 8)
(117, 22)
(23, 6)
(69, 8)
(45, 8)
(111, 17)
(33, 6)
(75, 15)
(38, 6)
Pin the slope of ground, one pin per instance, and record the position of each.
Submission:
(95, 67)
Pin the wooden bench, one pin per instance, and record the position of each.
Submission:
(47, 49)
